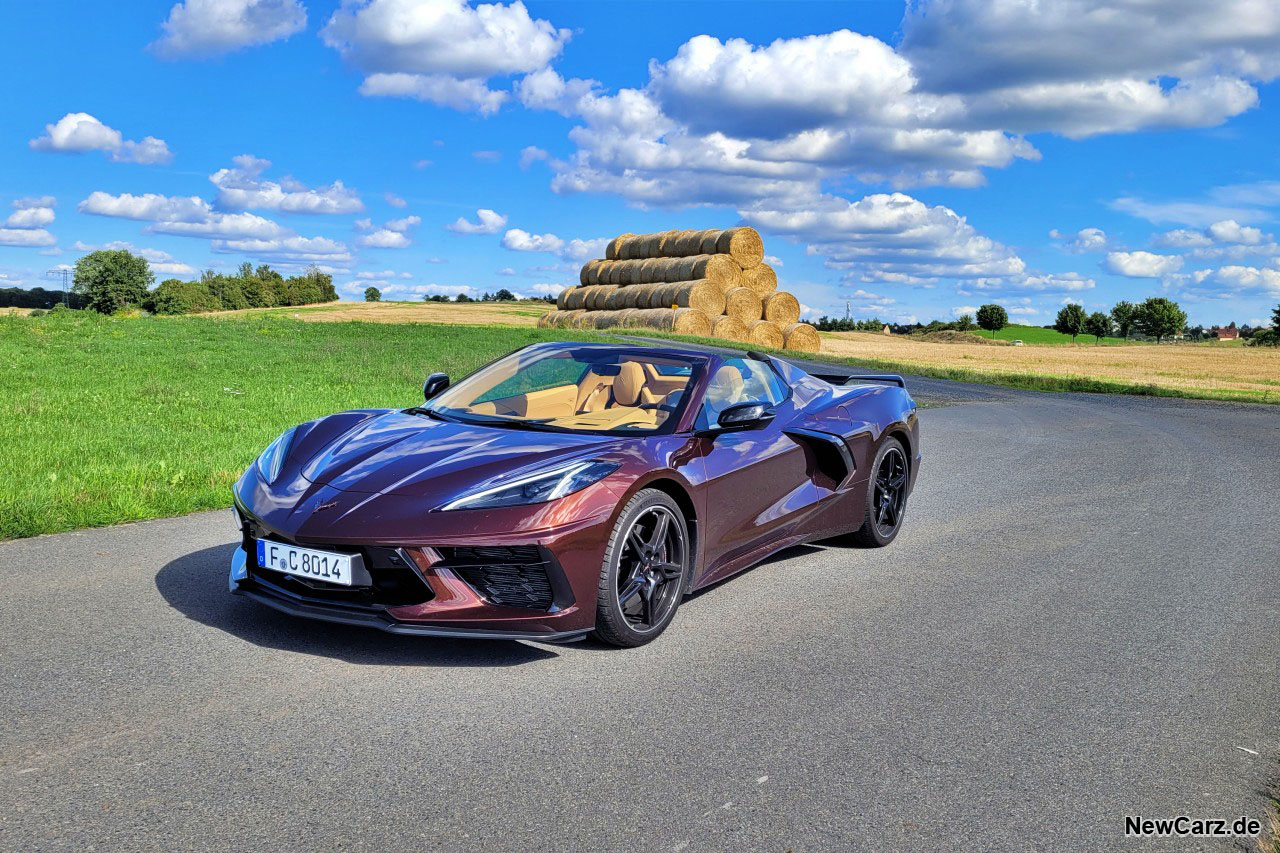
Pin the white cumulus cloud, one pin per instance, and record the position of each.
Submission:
(519, 240)
(80, 132)
(487, 222)
(242, 187)
(442, 51)
(1142, 264)
(203, 28)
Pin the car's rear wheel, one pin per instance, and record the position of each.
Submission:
(645, 566)
(886, 496)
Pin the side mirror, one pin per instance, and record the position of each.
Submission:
(435, 383)
(744, 416)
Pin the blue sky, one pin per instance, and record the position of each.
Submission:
(905, 162)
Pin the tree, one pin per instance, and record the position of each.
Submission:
(1160, 318)
(993, 318)
(1275, 319)
(372, 294)
(462, 297)
(964, 322)
(112, 280)
(1071, 320)
(1123, 313)
(1098, 325)
(504, 295)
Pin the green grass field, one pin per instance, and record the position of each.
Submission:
(1036, 336)
(112, 419)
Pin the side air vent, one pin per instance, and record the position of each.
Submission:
(830, 459)
(508, 576)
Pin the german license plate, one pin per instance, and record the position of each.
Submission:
(305, 562)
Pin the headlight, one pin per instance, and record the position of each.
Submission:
(537, 488)
(272, 459)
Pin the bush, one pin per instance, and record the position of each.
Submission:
(174, 296)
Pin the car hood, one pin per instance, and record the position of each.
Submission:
(403, 454)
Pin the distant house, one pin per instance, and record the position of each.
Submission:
(1230, 333)
(886, 330)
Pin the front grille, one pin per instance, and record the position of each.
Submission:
(395, 580)
(509, 576)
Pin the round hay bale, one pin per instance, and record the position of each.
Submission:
(615, 300)
(561, 319)
(584, 277)
(691, 321)
(686, 244)
(664, 243)
(650, 270)
(801, 337)
(641, 296)
(743, 245)
(729, 328)
(611, 250)
(596, 299)
(781, 308)
(742, 304)
(704, 295)
(720, 268)
(575, 298)
(707, 245)
(761, 278)
(562, 296)
(623, 317)
(625, 269)
(765, 333)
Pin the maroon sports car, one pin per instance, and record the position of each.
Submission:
(568, 489)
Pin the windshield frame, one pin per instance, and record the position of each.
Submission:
(696, 361)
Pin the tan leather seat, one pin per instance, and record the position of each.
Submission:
(628, 385)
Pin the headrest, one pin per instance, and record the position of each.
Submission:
(727, 384)
(628, 384)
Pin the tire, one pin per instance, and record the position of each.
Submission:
(645, 570)
(882, 517)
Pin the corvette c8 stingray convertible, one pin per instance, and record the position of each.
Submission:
(567, 489)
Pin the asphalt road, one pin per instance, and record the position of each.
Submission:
(1078, 623)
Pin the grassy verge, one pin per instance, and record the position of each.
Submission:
(1021, 380)
(109, 420)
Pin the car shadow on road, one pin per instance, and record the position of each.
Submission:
(196, 586)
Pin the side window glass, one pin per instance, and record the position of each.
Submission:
(739, 380)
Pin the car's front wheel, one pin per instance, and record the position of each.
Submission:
(886, 496)
(645, 566)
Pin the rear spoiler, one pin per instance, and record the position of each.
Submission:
(839, 379)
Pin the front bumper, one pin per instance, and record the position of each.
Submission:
(446, 597)
(294, 605)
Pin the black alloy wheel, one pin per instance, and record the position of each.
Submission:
(643, 577)
(886, 496)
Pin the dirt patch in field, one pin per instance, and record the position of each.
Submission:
(951, 336)
(1179, 366)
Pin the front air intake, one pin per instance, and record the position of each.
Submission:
(508, 576)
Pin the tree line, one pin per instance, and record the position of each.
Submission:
(1158, 318)
(113, 280)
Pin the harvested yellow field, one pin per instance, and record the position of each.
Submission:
(1211, 370)
(462, 314)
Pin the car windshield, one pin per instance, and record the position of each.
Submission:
(573, 390)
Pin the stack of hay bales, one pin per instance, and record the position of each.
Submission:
(704, 283)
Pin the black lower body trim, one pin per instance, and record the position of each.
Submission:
(385, 623)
